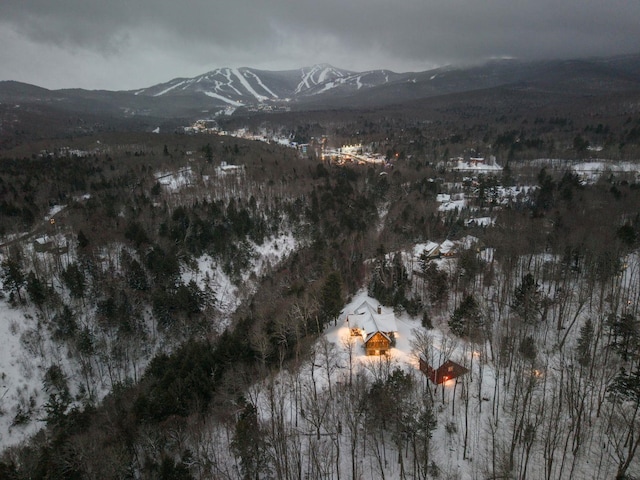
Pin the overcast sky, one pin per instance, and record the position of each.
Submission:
(128, 44)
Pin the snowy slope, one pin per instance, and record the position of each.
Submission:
(246, 86)
(317, 413)
(27, 349)
(21, 375)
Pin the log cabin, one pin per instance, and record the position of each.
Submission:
(376, 327)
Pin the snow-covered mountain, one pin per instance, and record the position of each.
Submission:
(247, 86)
(324, 86)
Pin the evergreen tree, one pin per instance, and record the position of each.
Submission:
(624, 395)
(583, 350)
(437, 284)
(467, 320)
(83, 241)
(36, 289)
(64, 324)
(625, 335)
(55, 384)
(389, 281)
(172, 470)
(528, 348)
(544, 200)
(74, 279)
(208, 153)
(527, 300)
(136, 276)
(332, 300)
(13, 277)
(136, 234)
(248, 444)
(469, 263)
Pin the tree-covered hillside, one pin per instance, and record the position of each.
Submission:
(168, 299)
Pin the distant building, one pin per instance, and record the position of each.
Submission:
(352, 149)
(475, 164)
(433, 250)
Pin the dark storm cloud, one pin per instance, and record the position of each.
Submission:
(107, 25)
(154, 40)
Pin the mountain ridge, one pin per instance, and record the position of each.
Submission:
(324, 86)
(245, 85)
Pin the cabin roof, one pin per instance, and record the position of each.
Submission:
(367, 318)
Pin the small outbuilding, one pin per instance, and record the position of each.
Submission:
(447, 371)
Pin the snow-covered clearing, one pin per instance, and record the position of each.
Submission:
(175, 181)
(180, 180)
(477, 165)
(339, 358)
(259, 81)
(480, 222)
(54, 210)
(591, 171)
(452, 205)
(495, 414)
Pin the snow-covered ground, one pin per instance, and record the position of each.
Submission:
(21, 373)
(343, 356)
(477, 165)
(209, 276)
(477, 414)
(175, 181)
(452, 205)
(480, 222)
(26, 353)
(591, 171)
(27, 350)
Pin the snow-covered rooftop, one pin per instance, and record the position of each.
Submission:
(372, 319)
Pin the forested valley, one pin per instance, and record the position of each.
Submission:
(176, 301)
